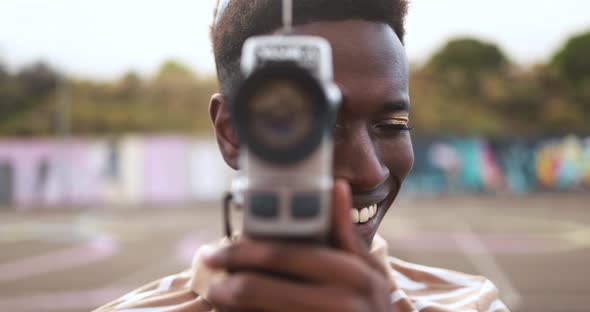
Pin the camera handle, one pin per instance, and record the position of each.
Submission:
(227, 200)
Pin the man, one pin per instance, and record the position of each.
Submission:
(373, 155)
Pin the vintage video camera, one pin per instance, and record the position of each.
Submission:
(284, 113)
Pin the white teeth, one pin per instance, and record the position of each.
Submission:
(363, 215)
(354, 214)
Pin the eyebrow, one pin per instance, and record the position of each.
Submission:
(396, 106)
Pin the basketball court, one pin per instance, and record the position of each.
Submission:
(535, 249)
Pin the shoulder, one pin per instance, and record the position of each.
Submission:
(172, 291)
(436, 287)
(180, 292)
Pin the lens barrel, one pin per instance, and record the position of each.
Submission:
(281, 113)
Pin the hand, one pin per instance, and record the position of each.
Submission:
(346, 278)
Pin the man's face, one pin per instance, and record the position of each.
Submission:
(373, 149)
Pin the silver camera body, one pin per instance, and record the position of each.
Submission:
(284, 114)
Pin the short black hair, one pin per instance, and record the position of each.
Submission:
(242, 19)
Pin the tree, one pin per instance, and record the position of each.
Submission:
(25, 99)
(38, 79)
(173, 81)
(573, 59)
(468, 56)
(130, 85)
(175, 71)
(3, 71)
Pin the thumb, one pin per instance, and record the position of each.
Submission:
(344, 235)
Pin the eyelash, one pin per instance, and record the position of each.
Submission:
(387, 127)
(397, 127)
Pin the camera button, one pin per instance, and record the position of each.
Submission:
(264, 205)
(305, 206)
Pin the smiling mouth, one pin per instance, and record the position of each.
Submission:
(366, 213)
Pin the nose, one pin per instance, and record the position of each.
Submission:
(357, 161)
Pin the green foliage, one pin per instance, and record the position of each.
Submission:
(24, 93)
(468, 56)
(3, 72)
(171, 68)
(468, 87)
(573, 60)
(174, 101)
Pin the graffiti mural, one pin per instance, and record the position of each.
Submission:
(495, 166)
(564, 164)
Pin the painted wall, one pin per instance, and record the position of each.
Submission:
(157, 170)
(515, 167)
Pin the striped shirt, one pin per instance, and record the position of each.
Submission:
(413, 288)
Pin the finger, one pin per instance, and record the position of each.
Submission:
(343, 231)
(250, 291)
(313, 264)
(344, 234)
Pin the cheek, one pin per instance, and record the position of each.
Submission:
(397, 155)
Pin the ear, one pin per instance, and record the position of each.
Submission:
(227, 138)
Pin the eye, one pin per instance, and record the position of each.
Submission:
(394, 124)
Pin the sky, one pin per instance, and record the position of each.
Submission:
(103, 39)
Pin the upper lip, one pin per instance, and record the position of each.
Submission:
(361, 201)
(384, 192)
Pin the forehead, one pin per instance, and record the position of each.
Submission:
(369, 59)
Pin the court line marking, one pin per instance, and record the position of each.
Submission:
(94, 251)
(61, 300)
(184, 249)
(483, 260)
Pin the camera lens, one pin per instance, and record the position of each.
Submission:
(281, 114)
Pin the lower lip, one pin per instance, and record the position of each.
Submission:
(368, 228)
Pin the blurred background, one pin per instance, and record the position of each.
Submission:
(110, 176)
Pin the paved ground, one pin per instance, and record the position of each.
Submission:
(536, 250)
